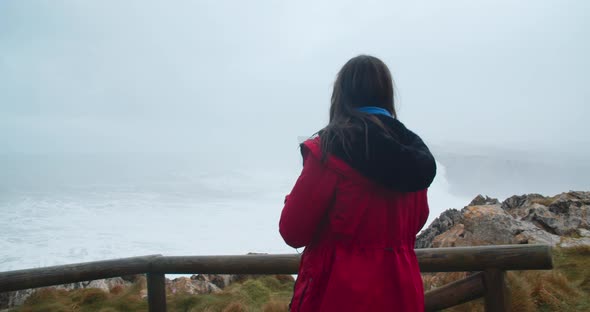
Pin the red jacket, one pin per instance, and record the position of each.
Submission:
(359, 237)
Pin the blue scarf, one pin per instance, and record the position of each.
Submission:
(374, 110)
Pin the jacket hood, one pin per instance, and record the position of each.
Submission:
(400, 161)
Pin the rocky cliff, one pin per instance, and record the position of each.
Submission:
(562, 220)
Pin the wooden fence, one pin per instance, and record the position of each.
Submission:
(488, 264)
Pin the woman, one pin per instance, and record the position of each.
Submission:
(359, 201)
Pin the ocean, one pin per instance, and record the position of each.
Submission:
(67, 209)
(205, 213)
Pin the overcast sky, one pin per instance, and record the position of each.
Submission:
(252, 76)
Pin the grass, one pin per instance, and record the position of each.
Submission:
(263, 293)
(90, 299)
(566, 288)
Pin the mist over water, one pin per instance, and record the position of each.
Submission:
(215, 212)
(143, 127)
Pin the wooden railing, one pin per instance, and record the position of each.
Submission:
(489, 264)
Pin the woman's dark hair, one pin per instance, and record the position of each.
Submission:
(363, 81)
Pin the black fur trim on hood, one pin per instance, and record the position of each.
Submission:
(404, 163)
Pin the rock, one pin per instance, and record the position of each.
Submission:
(583, 233)
(518, 201)
(440, 225)
(491, 225)
(559, 215)
(143, 294)
(582, 239)
(132, 278)
(15, 298)
(72, 286)
(574, 242)
(182, 285)
(107, 284)
(219, 280)
(562, 220)
(285, 278)
(196, 284)
(483, 200)
(449, 238)
(524, 212)
(563, 215)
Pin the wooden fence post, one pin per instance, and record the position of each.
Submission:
(156, 287)
(455, 293)
(496, 295)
